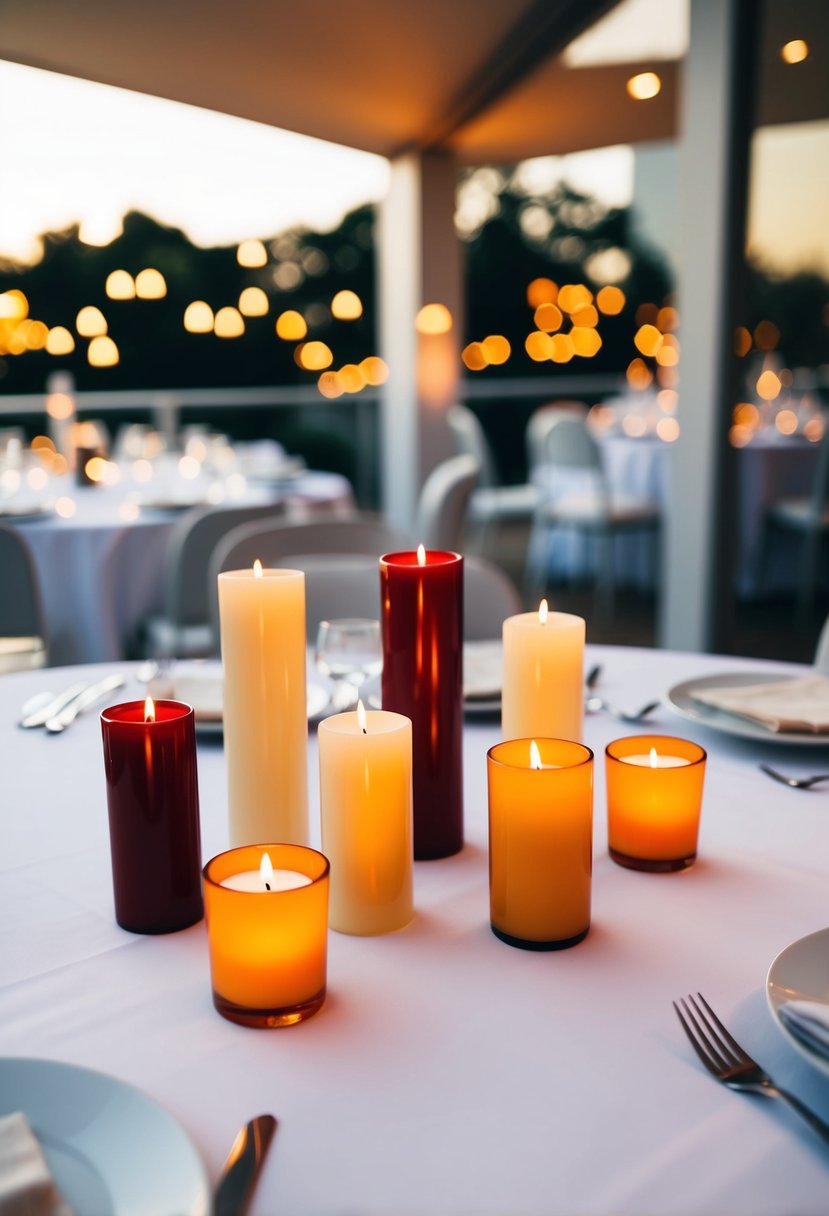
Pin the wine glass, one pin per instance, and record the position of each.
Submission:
(348, 651)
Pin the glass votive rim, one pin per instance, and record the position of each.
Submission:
(637, 744)
(260, 849)
(407, 558)
(133, 713)
(586, 755)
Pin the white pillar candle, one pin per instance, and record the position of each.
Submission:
(366, 806)
(543, 692)
(262, 615)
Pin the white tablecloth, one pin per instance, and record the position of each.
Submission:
(767, 469)
(100, 574)
(447, 1072)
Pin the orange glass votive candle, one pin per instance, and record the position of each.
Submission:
(654, 797)
(268, 933)
(540, 842)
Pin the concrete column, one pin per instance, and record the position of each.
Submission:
(419, 262)
(715, 125)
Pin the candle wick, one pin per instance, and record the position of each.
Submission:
(365, 732)
(267, 886)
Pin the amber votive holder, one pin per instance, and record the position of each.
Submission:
(153, 805)
(268, 948)
(654, 798)
(540, 842)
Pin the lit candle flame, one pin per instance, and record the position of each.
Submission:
(266, 871)
(654, 759)
(542, 612)
(361, 717)
(257, 573)
(421, 555)
(149, 710)
(535, 755)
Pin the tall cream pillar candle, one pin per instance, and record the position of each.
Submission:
(262, 615)
(366, 804)
(543, 693)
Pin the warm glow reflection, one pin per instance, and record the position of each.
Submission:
(647, 340)
(667, 319)
(314, 356)
(586, 342)
(120, 285)
(742, 342)
(473, 357)
(543, 611)
(638, 374)
(740, 436)
(433, 319)
(643, 86)
(668, 430)
(538, 346)
(610, 301)
(59, 341)
(351, 378)
(65, 507)
(548, 317)
(561, 348)
(198, 318)
(13, 305)
(251, 254)
(228, 323)
(150, 284)
(149, 710)
(102, 352)
(634, 426)
(813, 429)
(795, 51)
(330, 386)
(257, 568)
(375, 370)
(541, 291)
(60, 406)
(346, 306)
(746, 414)
(766, 335)
(253, 302)
(496, 349)
(535, 755)
(768, 385)
(667, 399)
(786, 422)
(90, 322)
(421, 555)
(290, 325)
(574, 296)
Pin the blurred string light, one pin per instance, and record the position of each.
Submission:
(610, 300)
(291, 326)
(644, 86)
(541, 291)
(313, 356)
(102, 352)
(346, 306)
(120, 285)
(742, 342)
(198, 318)
(795, 51)
(638, 374)
(252, 254)
(228, 323)
(548, 317)
(253, 302)
(768, 385)
(150, 284)
(766, 335)
(433, 319)
(90, 322)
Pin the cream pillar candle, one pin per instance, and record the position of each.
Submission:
(543, 692)
(366, 804)
(262, 615)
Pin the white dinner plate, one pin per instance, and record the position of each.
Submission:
(21, 511)
(801, 973)
(111, 1150)
(200, 684)
(679, 699)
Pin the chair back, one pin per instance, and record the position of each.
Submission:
(191, 543)
(539, 424)
(444, 501)
(337, 585)
(489, 597)
(21, 605)
(569, 445)
(470, 440)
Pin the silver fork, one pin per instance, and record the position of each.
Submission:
(725, 1059)
(592, 704)
(795, 783)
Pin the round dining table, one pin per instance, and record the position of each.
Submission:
(100, 560)
(449, 1073)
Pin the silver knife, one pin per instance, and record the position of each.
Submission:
(40, 716)
(241, 1170)
(59, 721)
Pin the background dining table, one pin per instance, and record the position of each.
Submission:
(448, 1073)
(101, 569)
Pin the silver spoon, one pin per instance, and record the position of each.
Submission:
(795, 783)
(241, 1170)
(592, 676)
(594, 704)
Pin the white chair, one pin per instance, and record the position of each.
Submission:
(808, 518)
(443, 503)
(491, 504)
(23, 634)
(183, 629)
(569, 447)
(538, 427)
(489, 597)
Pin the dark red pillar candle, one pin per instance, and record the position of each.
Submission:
(422, 608)
(153, 801)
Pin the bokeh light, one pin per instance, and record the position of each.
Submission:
(90, 322)
(291, 326)
(541, 291)
(433, 319)
(102, 352)
(150, 284)
(228, 323)
(346, 306)
(198, 318)
(253, 302)
(120, 285)
(643, 86)
(251, 254)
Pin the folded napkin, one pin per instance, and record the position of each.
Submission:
(800, 705)
(809, 1022)
(483, 670)
(26, 1186)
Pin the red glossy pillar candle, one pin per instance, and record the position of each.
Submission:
(422, 608)
(153, 802)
